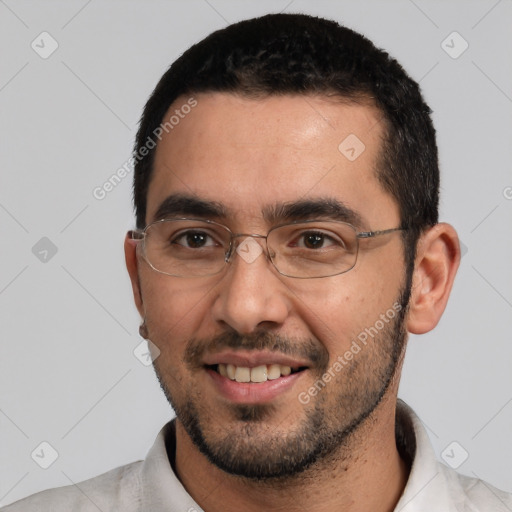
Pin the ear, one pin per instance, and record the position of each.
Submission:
(436, 263)
(130, 256)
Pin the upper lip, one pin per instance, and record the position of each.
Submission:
(252, 359)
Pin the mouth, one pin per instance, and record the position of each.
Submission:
(254, 377)
(256, 374)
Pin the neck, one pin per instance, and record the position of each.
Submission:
(366, 474)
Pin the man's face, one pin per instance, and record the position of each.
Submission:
(252, 156)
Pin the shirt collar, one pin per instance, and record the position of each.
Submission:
(161, 488)
(426, 489)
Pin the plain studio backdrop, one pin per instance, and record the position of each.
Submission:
(74, 76)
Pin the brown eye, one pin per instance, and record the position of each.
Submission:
(314, 240)
(194, 239)
(317, 240)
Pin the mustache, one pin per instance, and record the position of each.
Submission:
(301, 348)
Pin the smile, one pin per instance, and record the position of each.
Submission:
(251, 377)
(257, 374)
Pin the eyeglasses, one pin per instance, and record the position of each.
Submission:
(304, 250)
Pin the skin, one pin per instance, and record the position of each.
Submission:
(248, 154)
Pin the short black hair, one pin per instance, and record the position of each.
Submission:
(283, 54)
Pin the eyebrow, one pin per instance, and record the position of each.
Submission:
(184, 205)
(318, 208)
(328, 208)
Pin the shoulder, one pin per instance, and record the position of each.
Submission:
(144, 485)
(115, 490)
(474, 495)
(432, 485)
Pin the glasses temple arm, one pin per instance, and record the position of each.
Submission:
(372, 234)
(136, 234)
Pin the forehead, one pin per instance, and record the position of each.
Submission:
(250, 154)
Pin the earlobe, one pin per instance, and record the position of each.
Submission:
(437, 261)
(130, 255)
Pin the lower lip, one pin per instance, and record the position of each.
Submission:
(253, 392)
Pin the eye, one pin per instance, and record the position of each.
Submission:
(317, 240)
(194, 239)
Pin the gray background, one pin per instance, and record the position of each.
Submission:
(68, 375)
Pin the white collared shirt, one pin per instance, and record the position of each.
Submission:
(152, 486)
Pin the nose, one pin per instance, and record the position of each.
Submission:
(251, 294)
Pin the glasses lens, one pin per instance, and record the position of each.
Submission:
(186, 248)
(316, 249)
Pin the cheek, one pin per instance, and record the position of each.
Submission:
(174, 308)
(338, 309)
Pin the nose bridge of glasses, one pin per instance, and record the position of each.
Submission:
(239, 239)
(247, 235)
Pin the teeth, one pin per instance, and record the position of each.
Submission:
(285, 370)
(230, 370)
(260, 373)
(274, 372)
(242, 374)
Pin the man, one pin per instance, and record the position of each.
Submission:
(286, 190)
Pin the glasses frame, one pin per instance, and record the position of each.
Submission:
(139, 235)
